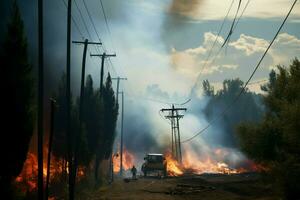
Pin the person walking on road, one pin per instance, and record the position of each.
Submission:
(133, 171)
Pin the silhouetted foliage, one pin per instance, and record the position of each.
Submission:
(17, 103)
(92, 115)
(208, 89)
(108, 123)
(97, 134)
(60, 137)
(245, 109)
(275, 140)
(110, 117)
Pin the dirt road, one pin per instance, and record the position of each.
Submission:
(207, 187)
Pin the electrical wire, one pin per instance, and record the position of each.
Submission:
(247, 82)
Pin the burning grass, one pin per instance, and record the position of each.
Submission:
(210, 163)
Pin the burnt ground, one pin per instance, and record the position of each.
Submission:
(206, 187)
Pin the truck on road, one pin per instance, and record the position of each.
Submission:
(154, 163)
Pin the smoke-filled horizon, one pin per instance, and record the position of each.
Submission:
(161, 47)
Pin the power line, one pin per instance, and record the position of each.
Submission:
(97, 34)
(94, 27)
(220, 50)
(247, 82)
(106, 23)
(232, 25)
(83, 21)
(243, 11)
(109, 33)
(91, 19)
(237, 22)
(74, 21)
(215, 42)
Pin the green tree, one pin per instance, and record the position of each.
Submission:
(246, 109)
(17, 102)
(109, 117)
(208, 89)
(91, 115)
(275, 140)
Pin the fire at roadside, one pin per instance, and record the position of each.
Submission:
(208, 164)
(212, 163)
(27, 179)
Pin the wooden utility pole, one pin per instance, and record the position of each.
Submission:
(53, 103)
(40, 100)
(118, 84)
(174, 117)
(68, 99)
(117, 102)
(76, 145)
(122, 135)
(103, 56)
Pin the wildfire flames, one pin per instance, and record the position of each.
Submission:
(211, 163)
(208, 164)
(128, 161)
(28, 177)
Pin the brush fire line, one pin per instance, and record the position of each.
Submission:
(27, 179)
(190, 164)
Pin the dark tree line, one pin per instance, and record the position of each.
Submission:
(100, 114)
(17, 100)
(247, 108)
(274, 141)
(18, 87)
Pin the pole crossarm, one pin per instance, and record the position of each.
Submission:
(173, 109)
(104, 55)
(83, 42)
(119, 78)
(176, 116)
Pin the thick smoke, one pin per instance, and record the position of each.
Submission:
(176, 26)
(144, 129)
(185, 7)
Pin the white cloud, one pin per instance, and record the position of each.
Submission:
(242, 54)
(213, 9)
(250, 44)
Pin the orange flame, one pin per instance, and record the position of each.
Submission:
(208, 164)
(128, 161)
(173, 167)
(28, 175)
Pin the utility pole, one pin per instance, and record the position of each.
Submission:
(76, 145)
(68, 99)
(121, 148)
(40, 100)
(117, 102)
(118, 83)
(53, 103)
(103, 56)
(174, 117)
